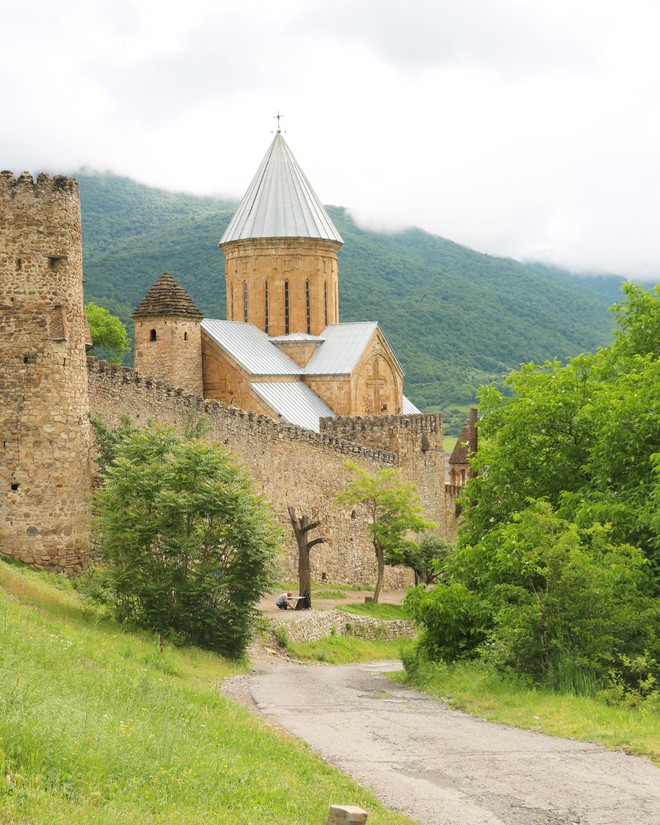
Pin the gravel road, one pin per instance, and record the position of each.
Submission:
(442, 767)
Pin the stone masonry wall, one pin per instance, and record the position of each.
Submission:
(417, 440)
(311, 625)
(44, 429)
(256, 262)
(292, 466)
(175, 354)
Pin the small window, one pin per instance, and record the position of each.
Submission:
(266, 307)
(231, 307)
(185, 336)
(152, 335)
(308, 308)
(325, 303)
(286, 307)
(245, 301)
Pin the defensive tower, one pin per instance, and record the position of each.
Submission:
(168, 344)
(281, 252)
(44, 429)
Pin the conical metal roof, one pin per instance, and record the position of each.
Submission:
(280, 202)
(167, 297)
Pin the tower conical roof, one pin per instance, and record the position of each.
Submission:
(280, 202)
(167, 297)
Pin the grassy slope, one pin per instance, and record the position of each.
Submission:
(97, 726)
(455, 317)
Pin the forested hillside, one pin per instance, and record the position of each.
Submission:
(455, 317)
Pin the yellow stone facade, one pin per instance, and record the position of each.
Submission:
(283, 285)
(45, 483)
(227, 381)
(170, 350)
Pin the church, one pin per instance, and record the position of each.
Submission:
(282, 351)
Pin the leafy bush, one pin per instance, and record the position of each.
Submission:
(541, 598)
(184, 544)
(557, 574)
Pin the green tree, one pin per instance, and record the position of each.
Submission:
(540, 597)
(185, 545)
(109, 336)
(556, 573)
(394, 512)
(426, 557)
(583, 435)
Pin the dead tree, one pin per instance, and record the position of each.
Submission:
(302, 527)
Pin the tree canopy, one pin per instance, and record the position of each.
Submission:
(585, 436)
(185, 545)
(394, 512)
(559, 551)
(109, 336)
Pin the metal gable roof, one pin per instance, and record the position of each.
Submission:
(409, 408)
(250, 347)
(280, 202)
(341, 349)
(294, 401)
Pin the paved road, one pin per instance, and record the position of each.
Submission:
(442, 767)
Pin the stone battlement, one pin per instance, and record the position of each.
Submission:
(43, 184)
(256, 423)
(419, 422)
(292, 466)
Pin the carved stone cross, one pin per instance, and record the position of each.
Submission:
(376, 383)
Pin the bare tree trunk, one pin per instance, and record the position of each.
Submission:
(380, 558)
(301, 527)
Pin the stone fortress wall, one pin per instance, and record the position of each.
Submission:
(44, 429)
(292, 466)
(48, 388)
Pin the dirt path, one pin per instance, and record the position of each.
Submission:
(442, 767)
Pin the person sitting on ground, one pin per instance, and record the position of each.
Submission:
(285, 601)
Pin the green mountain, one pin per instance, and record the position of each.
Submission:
(456, 318)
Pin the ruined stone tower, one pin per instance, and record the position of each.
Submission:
(44, 427)
(168, 343)
(281, 252)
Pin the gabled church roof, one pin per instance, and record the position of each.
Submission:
(250, 348)
(409, 408)
(167, 297)
(343, 346)
(294, 401)
(280, 203)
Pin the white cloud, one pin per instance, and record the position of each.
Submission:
(518, 127)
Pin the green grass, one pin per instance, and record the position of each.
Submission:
(343, 650)
(449, 443)
(98, 727)
(318, 588)
(376, 611)
(480, 692)
(330, 594)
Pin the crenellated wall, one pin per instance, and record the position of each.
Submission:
(44, 428)
(293, 466)
(48, 388)
(417, 441)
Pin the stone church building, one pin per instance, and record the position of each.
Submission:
(281, 384)
(282, 350)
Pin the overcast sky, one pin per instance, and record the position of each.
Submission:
(523, 128)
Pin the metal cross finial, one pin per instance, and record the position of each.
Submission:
(278, 117)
